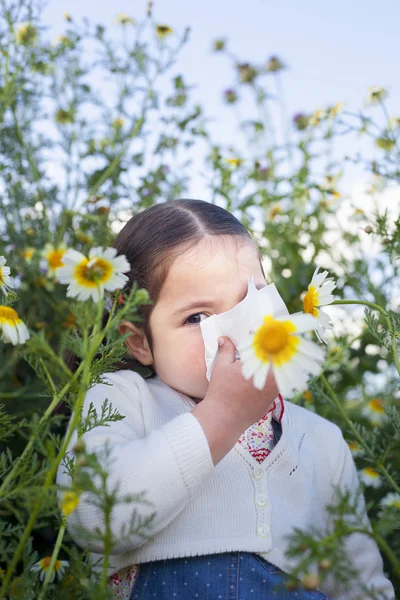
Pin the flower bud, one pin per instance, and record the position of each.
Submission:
(26, 34)
(274, 64)
(79, 447)
(310, 581)
(219, 45)
(142, 296)
(325, 564)
(230, 96)
(301, 121)
(368, 229)
(247, 73)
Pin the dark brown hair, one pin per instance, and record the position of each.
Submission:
(153, 238)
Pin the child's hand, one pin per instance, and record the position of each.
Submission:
(231, 404)
(229, 389)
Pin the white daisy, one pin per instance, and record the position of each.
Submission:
(374, 412)
(370, 477)
(391, 499)
(53, 258)
(12, 328)
(27, 254)
(319, 294)
(375, 95)
(276, 343)
(43, 565)
(5, 280)
(102, 268)
(355, 449)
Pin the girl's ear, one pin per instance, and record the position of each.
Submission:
(136, 343)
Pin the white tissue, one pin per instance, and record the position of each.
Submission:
(241, 320)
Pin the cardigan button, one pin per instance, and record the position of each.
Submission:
(263, 530)
(261, 500)
(257, 473)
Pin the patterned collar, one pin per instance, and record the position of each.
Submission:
(277, 409)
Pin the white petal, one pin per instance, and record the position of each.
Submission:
(246, 353)
(96, 252)
(325, 299)
(96, 294)
(120, 264)
(250, 367)
(10, 334)
(23, 333)
(314, 275)
(85, 294)
(310, 349)
(324, 319)
(65, 274)
(328, 287)
(283, 382)
(260, 376)
(110, 254)
(115, 282)
(307, 364)
(245, 345)
(319, 332)
(318, 278)
(73, 257)
(302, 321)
(293, 377)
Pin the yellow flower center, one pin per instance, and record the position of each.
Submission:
(353, 446)
(69, 502)
(28, 253)
(310, 301)
(273, 341)
(45, 564)
(55, 258)
(376, 406)
(88, 272)
(9, 315)
(371, 472)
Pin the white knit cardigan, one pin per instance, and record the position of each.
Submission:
(238, 505)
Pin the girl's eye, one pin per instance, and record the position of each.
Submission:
(194, 316)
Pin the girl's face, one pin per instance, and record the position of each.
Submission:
(210, 278)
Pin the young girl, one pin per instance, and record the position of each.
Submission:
(229, 470)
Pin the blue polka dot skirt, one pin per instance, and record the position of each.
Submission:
(226, 576)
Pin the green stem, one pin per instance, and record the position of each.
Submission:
(387, 319)
(372, 534)
(49, 377)
(56, 400)
(114, 163)
(76, 415)
(334, 359)
(54, 555)
(107, 542)
(355, 433)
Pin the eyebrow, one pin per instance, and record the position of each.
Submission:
(204, 303)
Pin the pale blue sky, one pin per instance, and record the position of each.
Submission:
(335, 51)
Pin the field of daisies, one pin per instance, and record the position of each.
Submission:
(92, 134)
